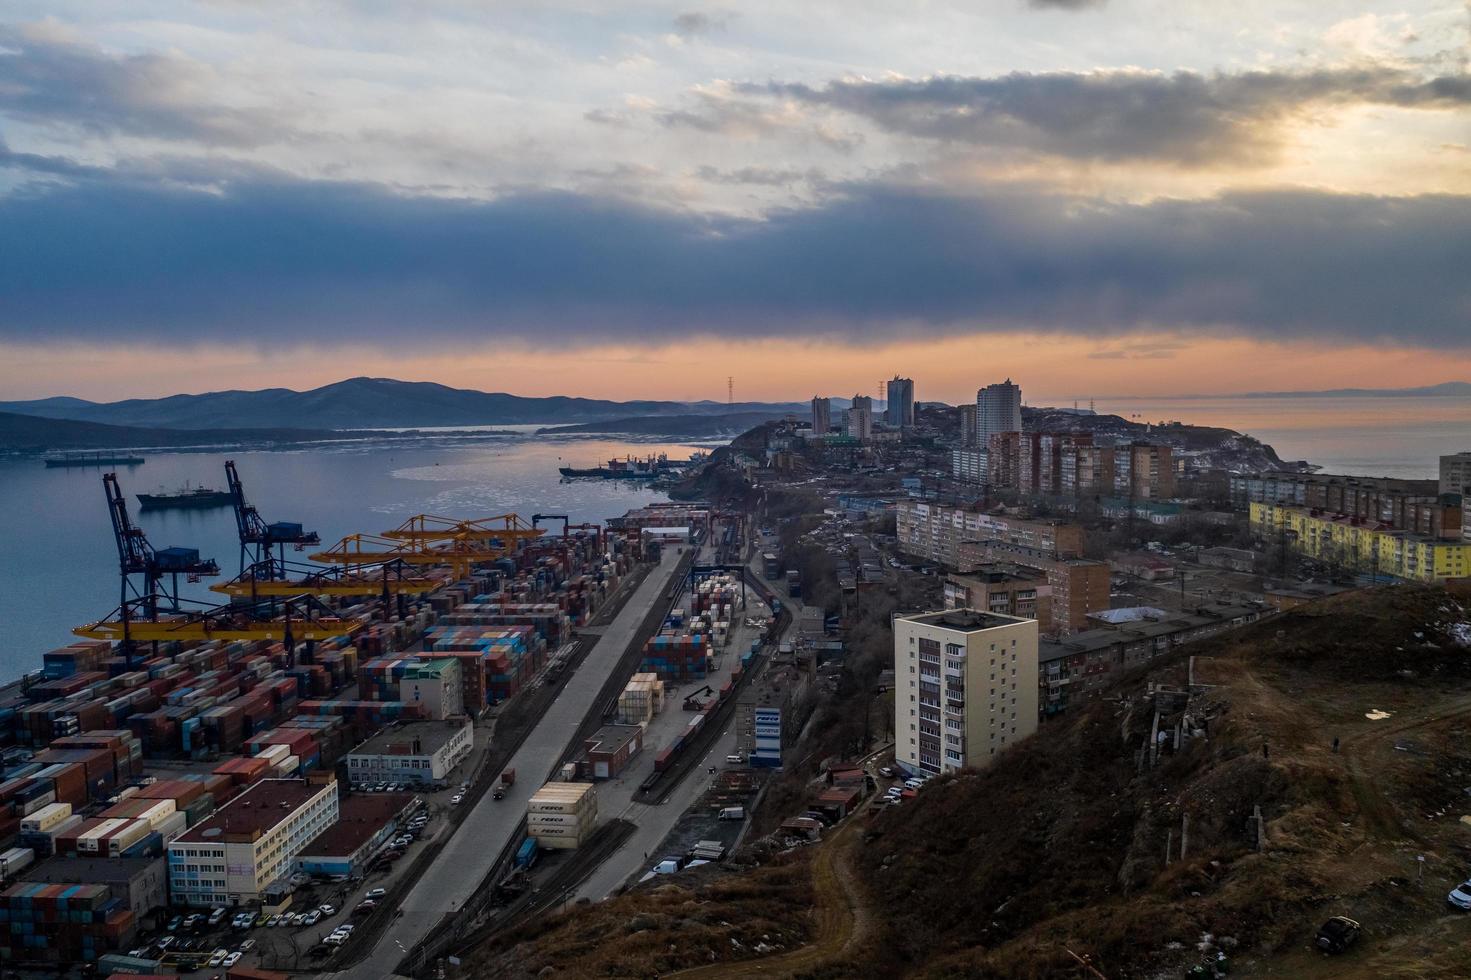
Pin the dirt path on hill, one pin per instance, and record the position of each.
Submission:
(841, 919)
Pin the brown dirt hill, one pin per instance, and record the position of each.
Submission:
(1059, 849)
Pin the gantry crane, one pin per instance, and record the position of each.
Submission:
(137, 558)
(567, 525)
(369, 549)
(258, 539)
(301, 617)
(391, 578)
(505, 528)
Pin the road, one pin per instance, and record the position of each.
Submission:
(467, 857)
(655, 822)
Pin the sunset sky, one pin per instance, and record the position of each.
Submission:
(633, 200)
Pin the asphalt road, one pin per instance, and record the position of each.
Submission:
(465, 860)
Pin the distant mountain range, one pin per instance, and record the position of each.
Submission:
(365, 403)
(30, 433)
(1444, 388)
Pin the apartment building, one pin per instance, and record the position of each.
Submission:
(1455, 473)
(899, 404)
(236, 854)
(998, 409)
(1075, 586)
(968, 465)
(969, 433)
(1418, 506)
(1067, 463)
(1079, 667)
(822, 416)
(965, 688)
(1008, 590)
(1362, 546)
(936, 531)
(859, 416)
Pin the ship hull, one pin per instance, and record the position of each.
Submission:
(191, 502)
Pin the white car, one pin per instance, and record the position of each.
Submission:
(1460, 896)
(231, 960)
(913, 783)
(376, 892)
(218, 959)
(456, 799)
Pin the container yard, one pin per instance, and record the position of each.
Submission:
(159, 717)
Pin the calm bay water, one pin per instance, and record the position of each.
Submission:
(1385, 436)
(58, 564)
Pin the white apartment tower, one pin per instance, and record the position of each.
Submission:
(998, 409)
(899, 411)
(860, 418)
(965, 688)
(822, 416)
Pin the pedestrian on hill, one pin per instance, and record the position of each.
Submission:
(1266, 751)
(1335, 744)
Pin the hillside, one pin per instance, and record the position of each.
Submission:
(26, 433)
(361, 403)
(691, 426)
(1060, 847)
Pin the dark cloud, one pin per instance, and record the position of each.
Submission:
(277, 263)
(1184, 118)
(700, 22)
(47, 81)
(757, 176)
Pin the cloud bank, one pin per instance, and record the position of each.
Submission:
(265, 262)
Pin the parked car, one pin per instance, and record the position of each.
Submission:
(311, 918)
(175, 922)
(886, 771)
(247, 946)
(1338, 934)
(735, 760)
(376, 892)
(217, 958)
(165, 942)
(1460, 896)
(217, 915)
(274, 920)
(327, 909)
(456, 799)
(231, 960)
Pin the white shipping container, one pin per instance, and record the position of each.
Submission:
(125, 837)
(46, 818)
(558, 842)
(16, 860)
(274, 753)
(158, 813)
(288, 765)
(173, 825)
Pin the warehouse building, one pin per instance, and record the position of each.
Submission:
(421, 753)
(235, 855)
(608, 751)
(365, 822)
(141, 883)
(435, 687)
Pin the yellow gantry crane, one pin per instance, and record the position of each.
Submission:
(429, 540)
(299, 618)
(390, 578)
(508, 529)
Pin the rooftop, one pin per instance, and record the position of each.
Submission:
(412, 738)
(88, 870)
(964, 620)
(360, 817)
(253, 812)
(612, 738)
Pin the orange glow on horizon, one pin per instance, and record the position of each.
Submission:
(1050, 368)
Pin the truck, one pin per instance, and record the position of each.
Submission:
(508, 779)
(526, 853)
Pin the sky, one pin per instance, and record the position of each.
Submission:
(636, 200)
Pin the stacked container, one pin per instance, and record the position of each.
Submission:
(562, 815)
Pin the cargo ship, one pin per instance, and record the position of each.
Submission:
(648, 468)
(186, 498)
(93, 459)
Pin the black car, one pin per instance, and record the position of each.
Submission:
(1338, 934)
